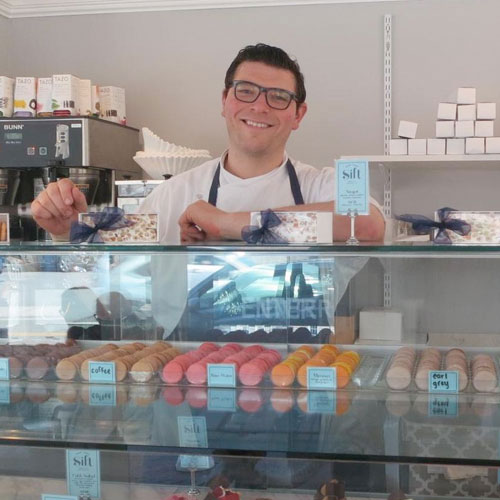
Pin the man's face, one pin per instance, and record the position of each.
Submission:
(255, 128)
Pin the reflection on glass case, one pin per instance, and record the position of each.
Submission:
(249, 372)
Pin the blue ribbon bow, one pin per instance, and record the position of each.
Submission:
(263, 234)
(109, 219)
(423, 225)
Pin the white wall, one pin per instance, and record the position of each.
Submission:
(5, 45)
(172, 65)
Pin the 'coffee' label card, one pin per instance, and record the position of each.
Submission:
(83, 472)
(353, 187)
(102, 371)
(443, 381)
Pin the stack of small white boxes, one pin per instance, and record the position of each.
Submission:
(462, 127)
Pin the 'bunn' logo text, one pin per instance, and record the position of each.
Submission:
(13, 127)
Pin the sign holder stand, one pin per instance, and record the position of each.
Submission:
(352, 240)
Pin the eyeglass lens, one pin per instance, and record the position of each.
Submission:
(250, 92)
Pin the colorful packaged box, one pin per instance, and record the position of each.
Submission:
(485, 228)
(44, 97)
(300, 227)
(144, 229)
(112, 104)
(6, 96)
(4, 229)
(65, 89)
(85, 97)
(25, 97)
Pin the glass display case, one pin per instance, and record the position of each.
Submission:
(249, 372)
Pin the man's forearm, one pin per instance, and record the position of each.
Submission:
(368, 227)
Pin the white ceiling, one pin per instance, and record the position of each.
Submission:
(41, 8)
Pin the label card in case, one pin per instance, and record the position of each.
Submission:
(321, 402)
(102, 395)
(443, 381)
(102, 371)
(221, 375)
(192, 432)
(321, 378)
(221, 399)
(353, 189)
(58, 497)
(4, 369)
(195, 462)
(5, 393)
(443, 406)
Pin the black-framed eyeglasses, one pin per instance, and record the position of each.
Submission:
(249, 92)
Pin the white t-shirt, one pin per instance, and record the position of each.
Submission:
(271, 190)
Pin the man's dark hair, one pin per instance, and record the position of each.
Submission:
(272, 56)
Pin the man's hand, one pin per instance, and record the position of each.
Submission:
(202, 221)
(57, 206)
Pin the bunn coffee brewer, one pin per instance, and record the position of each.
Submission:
(92, 153)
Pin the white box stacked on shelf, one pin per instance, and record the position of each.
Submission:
(407, 129)
(493, 145)
(380, 324)
(474, 145)
(398, 147)
(6, 96)
(466, 112)
(486, 111)
(445, 129)
(466, 95)
(455, 146)
(447, 111)
(417, 146)
(483, 128)
(464, 129)
(436, 146)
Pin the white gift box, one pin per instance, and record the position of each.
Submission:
(380, 324)
(300, 227)
(484, 128)
(44, 97)
(25, 96)
(436, 146)
(493, 145)
(445, 129)
(464, 129)
(447, 111)
(466, 112)
(474, 145)
(486, 110)
(85, 97)
(466, 95)
(485, 227)
(65, 95)
(407, 129)
(417, 146)
(455, 146)
(398, 147)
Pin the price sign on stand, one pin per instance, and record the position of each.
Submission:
(83, 473)
(353, 187)
(443, 381)
(195, 462)
(192, 432)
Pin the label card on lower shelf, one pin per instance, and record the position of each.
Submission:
(83, 472)
(443, 381)
(443, 406)
(195, 462)
(102, 395)
(4, 369)
(221, 399)
(5, 393)
(321, 378)
(102, 371)
(58, 497)
(221, 375)
(192, 432)
(321, 402)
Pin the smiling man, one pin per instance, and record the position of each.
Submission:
(263, 102)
